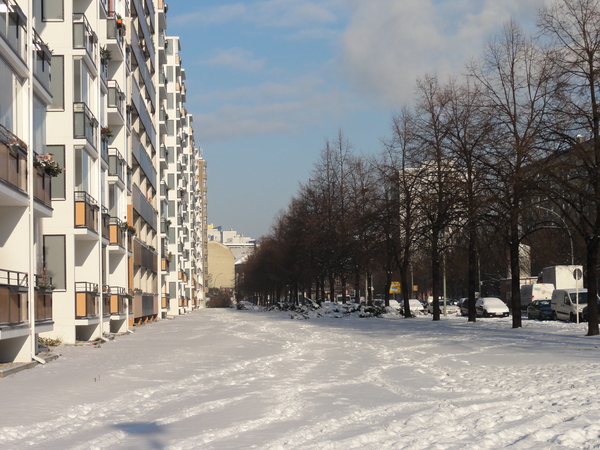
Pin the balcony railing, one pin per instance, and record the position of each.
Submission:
(85, 125)
(42, 61)
(144, 256)
(116, 164)
(43, 305)
(106, 294)
(13, 161)
(116, 96)
(105, 223)
(14, 28)
(86, 211)
(84, 36)
(118, 231)
(42, 186)
(13, 297)
(118, 300)
(86, 294)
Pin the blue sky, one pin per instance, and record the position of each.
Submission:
(268, 81)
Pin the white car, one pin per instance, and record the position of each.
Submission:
(416, 307)
(491, 307)
(451, 307)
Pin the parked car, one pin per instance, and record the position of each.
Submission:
(416, 307)
(394, 304)
(463, 306)
(491, 307)
(451, 307)
(584, 312)
(539, 309)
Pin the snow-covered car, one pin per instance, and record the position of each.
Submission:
(451, 307)
(491, 307)
(416, 307)
(539, 309)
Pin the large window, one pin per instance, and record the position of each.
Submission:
(55, 260)
(52, 10)
(57, 82)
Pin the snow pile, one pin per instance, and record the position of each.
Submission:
(228, 378)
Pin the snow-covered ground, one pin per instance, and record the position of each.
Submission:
(229, 379)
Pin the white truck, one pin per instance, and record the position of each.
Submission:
(563, 277)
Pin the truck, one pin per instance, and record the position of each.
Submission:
(562, 277)
(535, 291)
(568, 304)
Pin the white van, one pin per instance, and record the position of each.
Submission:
(535, 291)
(564, 303)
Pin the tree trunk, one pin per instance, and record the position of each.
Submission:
(435, 274)
(515, 274)
(592, 285)
(473, 275)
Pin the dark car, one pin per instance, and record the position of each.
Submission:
(463, 304)
(584, 312)
(540, 309)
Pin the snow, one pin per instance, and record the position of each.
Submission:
(231, 379)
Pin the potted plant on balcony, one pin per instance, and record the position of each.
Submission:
(45, 287)
(131, 230)
(45, 163)
(106, 133)
(105, 55)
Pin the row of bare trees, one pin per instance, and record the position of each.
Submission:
(506, 151)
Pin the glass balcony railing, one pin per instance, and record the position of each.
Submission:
(118, 231)
(85, 125)
(118, 300)
(84, 36)
(13, 297)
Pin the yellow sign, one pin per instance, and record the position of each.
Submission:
(415, 288)
(395, 287)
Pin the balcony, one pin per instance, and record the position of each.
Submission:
(117, 166)
(118, 300)
(145, 257)
(42, 61)
(42, 187)
(43, 298)
(86, 305)
(116, 99)
(13, 160)
(105, 223)
(14, 28)
(84, 37)
(86, 211)
(144, 305)
(13, 297)
(85, 125)
(106, 295)
(118, 232)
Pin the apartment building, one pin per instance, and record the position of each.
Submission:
(80, 247)
(26, 180)
(181, 193)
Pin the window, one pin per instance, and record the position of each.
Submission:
(57, 82)
(39, 125)
(52, 10)
(55, 260)
(58, 183)
(10, 89)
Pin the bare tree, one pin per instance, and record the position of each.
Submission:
(468, 140)
(513, 76)
(574, 28)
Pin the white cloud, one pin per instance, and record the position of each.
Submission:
(389, 44)
(264, 13)
(288, 116)
(236, 58)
